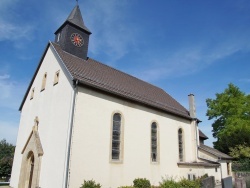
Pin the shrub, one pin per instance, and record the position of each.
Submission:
(142, 183)
(184, 183)
(169, 183)
(90, 184)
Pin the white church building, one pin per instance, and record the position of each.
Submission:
(83, 120)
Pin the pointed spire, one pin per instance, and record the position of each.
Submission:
(75, 18)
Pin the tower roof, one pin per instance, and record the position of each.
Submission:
(75, 18)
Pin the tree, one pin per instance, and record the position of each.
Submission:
(231, 112)
(6, 158)
(240, 152)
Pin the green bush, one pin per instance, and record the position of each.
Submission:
(90, 184)
(142, 183)
(184, 183)
(169, 183)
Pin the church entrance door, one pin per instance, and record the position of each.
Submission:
(31, 168)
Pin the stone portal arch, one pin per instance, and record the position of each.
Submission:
(30, 166)
(31, 162)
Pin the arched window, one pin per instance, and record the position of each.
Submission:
(180, 140)
(44, 82)
(154, 139)
(116, 137)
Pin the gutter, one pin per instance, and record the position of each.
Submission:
(67, 171)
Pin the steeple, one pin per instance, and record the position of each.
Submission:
(73, 35)
(75, 18)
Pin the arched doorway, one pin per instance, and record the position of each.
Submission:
(31, 162)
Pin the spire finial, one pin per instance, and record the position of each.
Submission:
(76, 2)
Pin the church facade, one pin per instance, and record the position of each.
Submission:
(83, 120)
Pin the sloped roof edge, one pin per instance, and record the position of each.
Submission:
(34, 76)
(215, 152)
(37, 69)
(202, 135)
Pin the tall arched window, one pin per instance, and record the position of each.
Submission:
(44, 81)
(180, 140)
(154, 139)
(116, 137)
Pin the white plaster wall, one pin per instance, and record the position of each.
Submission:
(198, 171)
(91, 142)
(224, 169)
(212, 172)
(205, 155)
(52, 107)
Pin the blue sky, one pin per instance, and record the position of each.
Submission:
(181, 46)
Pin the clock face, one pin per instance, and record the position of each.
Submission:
(77, 39)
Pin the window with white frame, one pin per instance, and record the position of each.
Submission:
(154, 140)
(116, 137)
(191, 177)
(180, 142)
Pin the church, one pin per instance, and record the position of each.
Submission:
(83, 120)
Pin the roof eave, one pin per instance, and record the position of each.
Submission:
(70, 23)
(219, 157)
(198, 164)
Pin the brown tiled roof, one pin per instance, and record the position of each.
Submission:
(199, 164)
(202, 135)
(95, 74)
(215, 152)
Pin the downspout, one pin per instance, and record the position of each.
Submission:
(197, 140)
(75, 83)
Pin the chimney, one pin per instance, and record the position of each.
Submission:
(192, 109)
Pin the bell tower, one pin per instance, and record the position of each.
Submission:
(73, 35)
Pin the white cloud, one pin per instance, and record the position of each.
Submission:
(189, 60)
(10, 27)
(12, 31)
(111, 34)
(11, 92)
